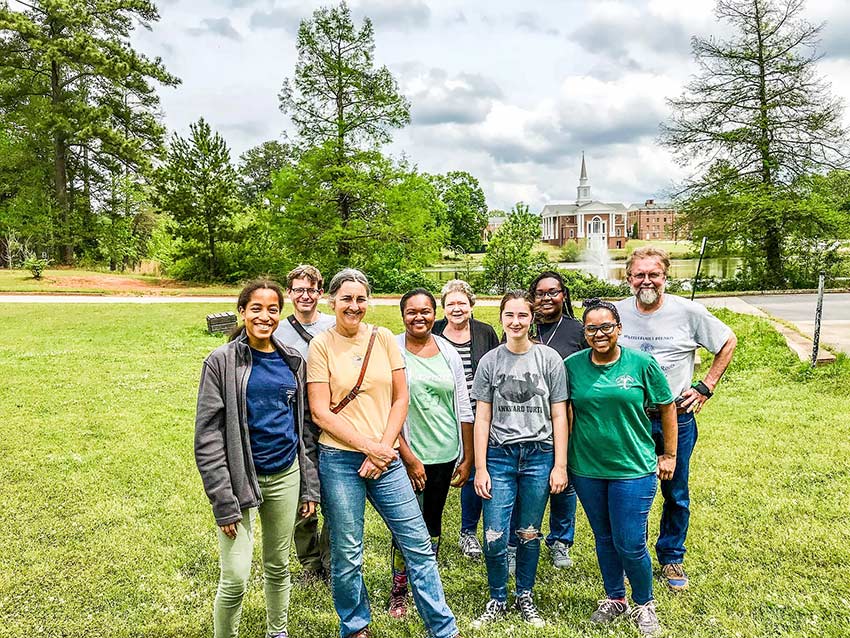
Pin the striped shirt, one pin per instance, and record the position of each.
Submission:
(465, 352)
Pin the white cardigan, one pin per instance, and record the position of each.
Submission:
(462, 406)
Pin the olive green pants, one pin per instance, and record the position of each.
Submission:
(277, 518)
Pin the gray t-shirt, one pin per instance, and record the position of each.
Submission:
(672, 335)
(521, 389)
(287, 334)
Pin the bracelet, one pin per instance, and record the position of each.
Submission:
(700, 387)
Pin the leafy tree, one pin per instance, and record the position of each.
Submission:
(511, 261)
(258, 166)
(466, 208)
(758, 113)
(197, 188)
(67, 71)
(343, 105)
(397, 228)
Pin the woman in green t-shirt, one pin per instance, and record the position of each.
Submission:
(436, 440)
(612, 461)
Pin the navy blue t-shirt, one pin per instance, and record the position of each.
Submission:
(271, 419)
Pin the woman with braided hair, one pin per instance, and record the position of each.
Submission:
(612, 460)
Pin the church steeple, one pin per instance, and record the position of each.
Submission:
(583, 189)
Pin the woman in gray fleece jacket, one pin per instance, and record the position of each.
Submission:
(255, 447)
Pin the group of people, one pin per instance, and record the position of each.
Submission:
(328, 409)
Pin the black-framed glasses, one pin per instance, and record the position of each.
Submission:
(605, 328)
(541, 294)
(300, 291)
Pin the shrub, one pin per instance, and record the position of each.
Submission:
(570, 252)
(35, 265)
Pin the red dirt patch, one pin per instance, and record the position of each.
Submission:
(113, 283)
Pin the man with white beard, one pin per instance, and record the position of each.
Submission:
(671, 329)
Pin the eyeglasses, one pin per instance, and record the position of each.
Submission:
(300, 291)
(606, 328)
(541, 294)
(643, 275)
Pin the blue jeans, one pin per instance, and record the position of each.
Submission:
(519, 477)
(344, 495)
(562, 519)
(676, 512)
(470, 506)
(618, 510)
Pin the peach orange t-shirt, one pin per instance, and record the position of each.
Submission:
(336, 360)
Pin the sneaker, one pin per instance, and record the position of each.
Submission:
(645, 619)
(397, 607)
(511, 561)
(469, 545)
(525, 606)
(495, 610)
(608, 610)
(675, 577)
(560, 554)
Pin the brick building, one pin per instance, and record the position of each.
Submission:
(653, 221)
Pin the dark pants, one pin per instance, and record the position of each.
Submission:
(433, 498)
(312, 547)
(676, 512)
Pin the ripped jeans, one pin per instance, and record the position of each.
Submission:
(519, 475)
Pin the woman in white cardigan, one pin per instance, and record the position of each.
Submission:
(436, 441)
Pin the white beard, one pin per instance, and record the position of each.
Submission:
(648, 296)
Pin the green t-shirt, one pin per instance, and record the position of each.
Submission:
(434, 434)
(612, 436)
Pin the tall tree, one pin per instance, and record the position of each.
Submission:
(258, 166)
(197, 186)
(341, 102)
(757, 112)
(511, 260)
(466, 208)
(72, 61)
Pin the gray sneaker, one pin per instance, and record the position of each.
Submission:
(511, 561)
(495, 610)
(525, 606)
(469, 545)
(560, 555)
(645, 619)
(609, 610)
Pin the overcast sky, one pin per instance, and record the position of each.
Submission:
(512, 92)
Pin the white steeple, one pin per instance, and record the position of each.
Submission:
(583, 187)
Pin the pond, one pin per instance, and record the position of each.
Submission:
(719, 267)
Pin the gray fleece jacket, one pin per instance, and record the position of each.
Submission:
(222, 444)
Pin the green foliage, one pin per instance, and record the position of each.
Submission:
(465, 209)
(585, 286)
(570, 252)
(197, 188)
(258, 166)
(337, 96)
(71, 81)
(392, 212)
(35, 265)
(510, 261)
(755, 121)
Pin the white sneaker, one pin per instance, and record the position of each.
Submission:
(645, 619)
(560, 554)
(469, 545)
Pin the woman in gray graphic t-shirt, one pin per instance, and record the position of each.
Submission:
(520, 451)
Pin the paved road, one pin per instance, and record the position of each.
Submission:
(800, 310)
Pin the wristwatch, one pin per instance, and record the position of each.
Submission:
(700, 387)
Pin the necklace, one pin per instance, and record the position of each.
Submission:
(546, 343)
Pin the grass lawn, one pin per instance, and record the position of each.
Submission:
(108, 532)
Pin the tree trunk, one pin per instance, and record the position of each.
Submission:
(60, 176)
(775, 275)
(211, 243)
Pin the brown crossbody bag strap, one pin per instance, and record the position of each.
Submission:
(356, 389)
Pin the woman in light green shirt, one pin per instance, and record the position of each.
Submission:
(436, 441)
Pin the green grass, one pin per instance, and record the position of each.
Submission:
(107, 531)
